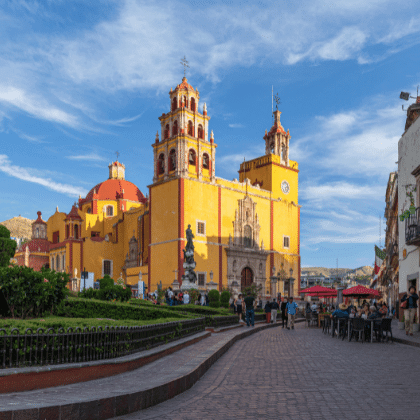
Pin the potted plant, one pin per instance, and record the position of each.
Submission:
(401, 323)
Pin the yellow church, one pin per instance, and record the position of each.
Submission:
(245, 230)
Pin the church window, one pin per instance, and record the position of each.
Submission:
(52, 262)
(63, 262)
(272, 148)
(286, 241)
(89, 210)
(67, 231)
(93, 234)
(161, 164)
(200, 132)
(174, 104)
(167, 131)
(201, 228)
(57, 263)
(191, 157)
(172, 160)
(192, 104)
(283, 152)
(107, 268)
(201, 279)
(206, 161)
(36, 232)
(76, 231)
(175, 128)
(190, 129)
(56, 237)
(109, 211)
(247, 236)
(185, 101)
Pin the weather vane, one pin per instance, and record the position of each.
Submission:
(277, 100)
(117, 153)
(184, 62)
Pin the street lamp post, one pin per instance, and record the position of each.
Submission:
(291, 280)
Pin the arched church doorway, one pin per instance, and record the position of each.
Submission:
(247, 277)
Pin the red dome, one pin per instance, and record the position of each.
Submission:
(112, 189)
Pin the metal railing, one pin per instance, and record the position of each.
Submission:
(412, 228)
(73, 346)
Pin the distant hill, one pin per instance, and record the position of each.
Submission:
(332, 272)
(20, 227)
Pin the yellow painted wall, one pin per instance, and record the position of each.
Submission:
(56, 223)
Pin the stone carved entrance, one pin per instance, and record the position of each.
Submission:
(247, 278)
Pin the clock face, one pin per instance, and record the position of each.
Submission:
(285, 187)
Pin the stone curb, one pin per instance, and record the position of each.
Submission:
(118, 405)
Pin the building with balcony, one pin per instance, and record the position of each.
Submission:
(409, 202)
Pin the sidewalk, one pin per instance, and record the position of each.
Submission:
(401, 337)
(127, 392)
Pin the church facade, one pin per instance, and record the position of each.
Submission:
(245, 230)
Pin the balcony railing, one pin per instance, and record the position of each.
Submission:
(412, 228)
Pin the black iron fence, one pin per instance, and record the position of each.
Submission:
(221, 321)
(72, 346)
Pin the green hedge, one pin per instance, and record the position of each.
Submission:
(106, 282)
(92, 308)
(224, 299)
(214, 299)
(198, 310)
(119, 293)
(142, 302)
(61, 322)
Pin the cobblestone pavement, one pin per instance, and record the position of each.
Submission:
(301, 374)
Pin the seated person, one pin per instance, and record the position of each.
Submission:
(314, 307)
(383, 310)
(308, 309)
(341, 312)
(352, 313)
(373, 314)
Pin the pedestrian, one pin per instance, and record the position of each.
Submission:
(170, 296)
(186, 298)
(274, 308)
(267, 310)
(291, 313)
(249, 308)
(308, 309)
(207, 300)
(284, 312)
(410, 309)
(203, 300)
(238, 306)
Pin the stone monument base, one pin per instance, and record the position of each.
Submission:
(187, 285)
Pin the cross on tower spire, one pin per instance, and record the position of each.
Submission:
(117, 153)
(184, 62)
(277, 100)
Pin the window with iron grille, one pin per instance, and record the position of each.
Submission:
(110, 211)
(286, 242)
(201, 228)
(201, 279)
(107, 268)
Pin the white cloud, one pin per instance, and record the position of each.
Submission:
(91, 156)
(236, 126)
(25, 174)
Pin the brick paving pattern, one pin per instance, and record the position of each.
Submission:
(301, 374)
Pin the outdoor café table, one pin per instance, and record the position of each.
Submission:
(371, 321)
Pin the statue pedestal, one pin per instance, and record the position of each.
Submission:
(212, 285)
(187, 285)
(175, 285)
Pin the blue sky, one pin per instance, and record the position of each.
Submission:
(80, 80)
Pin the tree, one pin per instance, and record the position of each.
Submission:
(7, 246)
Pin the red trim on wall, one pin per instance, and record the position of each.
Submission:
(81, 256)
(271, 236)
(219, 229)
(71, 258)
(180, 228)
(299, 248)
(149, 282)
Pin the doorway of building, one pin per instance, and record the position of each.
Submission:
(247, 277)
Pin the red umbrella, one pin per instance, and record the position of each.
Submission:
(360, 291)
(320, 291)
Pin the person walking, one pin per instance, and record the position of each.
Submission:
(291, 313)
(238, 306)
(284, 312)
(249, 308)
(186, 298)
(410, 310)
(274, 308)
(267, 310)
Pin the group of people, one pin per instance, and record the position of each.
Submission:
(288, 310)
(183, 298)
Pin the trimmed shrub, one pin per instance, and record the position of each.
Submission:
(198, 310)
(7, 246)
(89, 293)
(32, 293)
(224, 299)
(92, 308)
(106, 282)
(122, 294)
(214, 299)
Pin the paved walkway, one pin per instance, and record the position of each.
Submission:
(400, 334)
(301, 374)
